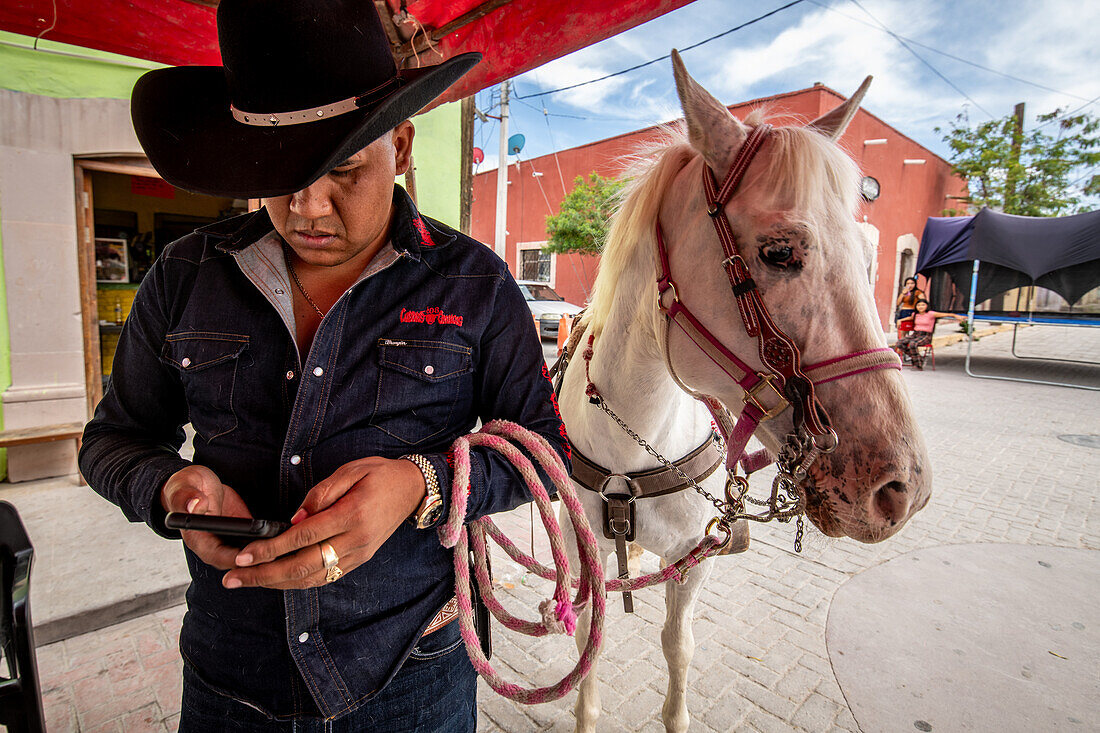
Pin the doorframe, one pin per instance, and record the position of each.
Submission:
(126, 164)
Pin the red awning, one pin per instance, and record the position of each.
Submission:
(514, 35)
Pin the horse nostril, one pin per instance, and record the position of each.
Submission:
(891, 502)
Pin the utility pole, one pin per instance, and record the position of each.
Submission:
(1009, 205)
(466, 173)
(502, 176)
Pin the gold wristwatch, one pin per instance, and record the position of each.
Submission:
(431, 507)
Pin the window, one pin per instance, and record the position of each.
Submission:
(534, 264)
(532, 291)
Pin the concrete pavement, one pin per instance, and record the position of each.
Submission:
(1010, 629)
(1013, 463)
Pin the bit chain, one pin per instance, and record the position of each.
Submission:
(795, 457)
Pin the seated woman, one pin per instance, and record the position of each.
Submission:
(907, 301)
(924, 323)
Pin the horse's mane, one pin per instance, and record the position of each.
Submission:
(648, 173)
(806, 173)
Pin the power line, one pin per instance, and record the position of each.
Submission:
(925, 46)
(662, 58)
(1090, 174)
(916, 55)
(553, 114)
(1091, 102)
(537, 175)
(546, 113)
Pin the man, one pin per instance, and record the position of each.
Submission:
(327, 349)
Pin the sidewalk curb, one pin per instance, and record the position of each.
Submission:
(100, 617)
(954, 338)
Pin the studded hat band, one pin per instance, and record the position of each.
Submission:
(313, 114)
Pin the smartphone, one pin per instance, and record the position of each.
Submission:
(233, 530)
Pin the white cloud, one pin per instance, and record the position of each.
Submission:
(827, 47)
(1054, 44)
(572, 69)
(1050, 43)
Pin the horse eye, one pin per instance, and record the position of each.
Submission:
(777, 255)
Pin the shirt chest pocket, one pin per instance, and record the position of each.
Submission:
(208, 364)
(420, 387)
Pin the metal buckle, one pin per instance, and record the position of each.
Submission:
(720, 524)
(751, 396)
(626, 480)
(616, 525)
(661, 296)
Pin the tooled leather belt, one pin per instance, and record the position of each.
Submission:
(446, 615)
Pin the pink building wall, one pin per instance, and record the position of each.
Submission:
(910, 192)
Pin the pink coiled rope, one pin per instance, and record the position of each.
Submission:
(710, 545)
(559, 613)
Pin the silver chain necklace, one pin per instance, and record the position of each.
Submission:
(287, 254)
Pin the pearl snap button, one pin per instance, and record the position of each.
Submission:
(186, 361)
(429, 369)
(318, 372)
(290, 375)
(278, 291)
(303, 637)
(295, 460)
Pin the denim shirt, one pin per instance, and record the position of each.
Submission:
(432, 337)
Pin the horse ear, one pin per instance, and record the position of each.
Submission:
(709, 123)
(834, 122)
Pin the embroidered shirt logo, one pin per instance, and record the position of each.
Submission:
(422, 228)
(430, 316)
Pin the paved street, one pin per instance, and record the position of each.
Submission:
(1004, 471)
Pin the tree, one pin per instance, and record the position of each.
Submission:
(1046, 174)
(582, 222)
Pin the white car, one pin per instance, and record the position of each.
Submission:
(547, 306)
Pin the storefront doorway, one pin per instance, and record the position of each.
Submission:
(126, 216)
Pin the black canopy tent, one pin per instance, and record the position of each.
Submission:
(971, 259)
(1061, 254)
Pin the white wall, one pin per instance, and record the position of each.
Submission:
(39, 137)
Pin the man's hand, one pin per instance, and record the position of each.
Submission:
(198, 490)
(354, 510)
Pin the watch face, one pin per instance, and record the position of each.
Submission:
(869, 188)
(430, 514)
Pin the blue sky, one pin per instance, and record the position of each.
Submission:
(1042, 53)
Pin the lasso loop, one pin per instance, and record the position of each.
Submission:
(559, 613)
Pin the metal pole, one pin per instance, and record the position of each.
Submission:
(970, 343)
(970, 314)
(502, 177)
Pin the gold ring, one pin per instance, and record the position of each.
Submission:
(330, 559)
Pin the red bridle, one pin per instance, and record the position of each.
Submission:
(784, 381)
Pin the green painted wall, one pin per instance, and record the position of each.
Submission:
(64, 71)
(437, 156)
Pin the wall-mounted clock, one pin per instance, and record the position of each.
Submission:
(869, 188)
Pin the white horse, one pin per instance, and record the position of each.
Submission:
(793, 218)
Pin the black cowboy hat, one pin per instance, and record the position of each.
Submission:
(304, 85)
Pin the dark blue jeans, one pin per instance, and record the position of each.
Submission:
(435, 690)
